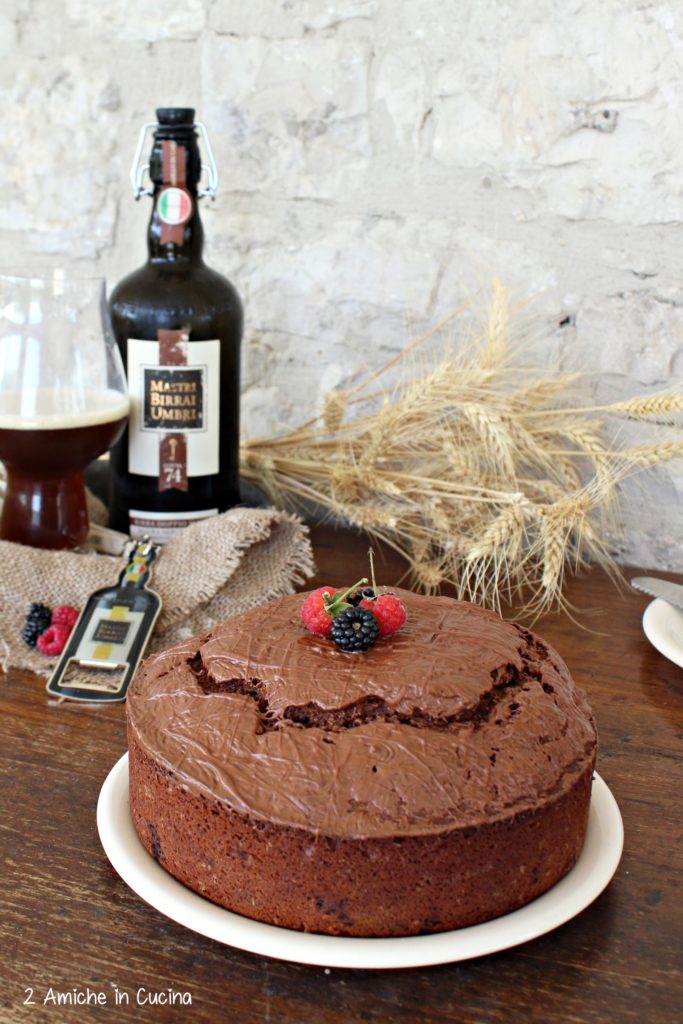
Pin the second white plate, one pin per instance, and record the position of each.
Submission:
(663, 626)
(592, 872)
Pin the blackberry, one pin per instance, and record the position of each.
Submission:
(356, 629)
(37, 621)
(357, 596)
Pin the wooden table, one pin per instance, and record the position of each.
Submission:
(69, 922)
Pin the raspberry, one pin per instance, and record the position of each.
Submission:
(53, 640)
(314, 614)
(354, 630)
(64, 615)
(322, 605)
(389, 611)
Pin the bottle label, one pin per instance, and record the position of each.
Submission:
(174, 408)
(161, 526)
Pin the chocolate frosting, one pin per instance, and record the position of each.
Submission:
(458, 719)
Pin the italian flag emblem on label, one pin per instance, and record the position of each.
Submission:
(174, 206)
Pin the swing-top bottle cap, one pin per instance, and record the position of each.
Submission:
(175, 117)
(173, 123)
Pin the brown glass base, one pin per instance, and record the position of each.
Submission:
(46, 513)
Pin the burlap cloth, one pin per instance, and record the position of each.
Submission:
(213, 569)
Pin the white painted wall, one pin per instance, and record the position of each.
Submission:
(379, 160)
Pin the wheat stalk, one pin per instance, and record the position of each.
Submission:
(496, 487)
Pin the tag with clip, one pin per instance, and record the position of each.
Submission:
(110, 636)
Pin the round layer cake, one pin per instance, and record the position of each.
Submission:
(440, 779)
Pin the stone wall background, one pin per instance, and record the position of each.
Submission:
(379, 161)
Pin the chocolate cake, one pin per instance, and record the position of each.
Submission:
(440, 779)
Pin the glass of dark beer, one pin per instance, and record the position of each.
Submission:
(63, 401)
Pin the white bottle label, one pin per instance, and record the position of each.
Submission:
(161, 527)
(181, 399)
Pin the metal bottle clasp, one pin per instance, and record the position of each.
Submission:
(138, 170)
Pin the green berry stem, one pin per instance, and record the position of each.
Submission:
(336, 604)
(371, 556)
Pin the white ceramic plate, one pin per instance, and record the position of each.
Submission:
(663, 625)
(590, 875)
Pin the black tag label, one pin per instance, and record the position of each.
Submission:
(173, 398)
(111, 631)
(90, 667)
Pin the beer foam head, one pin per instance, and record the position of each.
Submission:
(60, 408)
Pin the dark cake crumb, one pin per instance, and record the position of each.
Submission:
(154, 842)
(370, 708)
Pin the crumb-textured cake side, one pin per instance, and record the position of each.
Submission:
(438, 780)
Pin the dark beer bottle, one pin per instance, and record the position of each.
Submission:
(178, 325)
